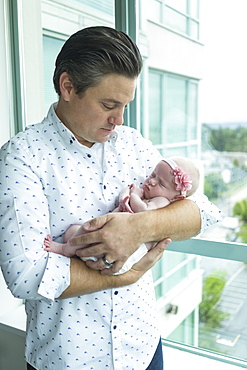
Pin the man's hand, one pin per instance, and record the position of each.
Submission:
(147, 261)
(114, 235)
(83, 280)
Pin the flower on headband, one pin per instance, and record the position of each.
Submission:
(182, 180)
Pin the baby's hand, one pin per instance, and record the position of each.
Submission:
(124, 205)
(135, 189)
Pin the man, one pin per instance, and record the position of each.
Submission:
(70, 169)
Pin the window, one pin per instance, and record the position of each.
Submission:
(173, 102)
(73, 15)
(51, 47)
(180, 15)
(105, 6)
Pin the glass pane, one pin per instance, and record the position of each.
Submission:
(222, 314)
(185, 330)
(207, 305)
(157, 270)
(169, 152)
(192, 111)
(194, 29)
(224, 116)
(175, 110)
(155, 10)
(175, 20)
(105, 6)
(180, 5)
(155, 108)
(170, 263)
(194, 8)
(51, 47)
(157, 274)
(192, 151)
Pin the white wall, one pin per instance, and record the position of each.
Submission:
(188, 63)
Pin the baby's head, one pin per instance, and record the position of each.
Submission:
(185, 176)
(174, 178)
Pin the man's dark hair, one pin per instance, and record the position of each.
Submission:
(94, 52)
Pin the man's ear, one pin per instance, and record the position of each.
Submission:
(65, 86)
(178, 197)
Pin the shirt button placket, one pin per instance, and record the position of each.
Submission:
(116, 331)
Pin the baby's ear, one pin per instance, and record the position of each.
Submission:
(178, 197)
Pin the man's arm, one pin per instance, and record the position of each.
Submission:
(118, 235)
(84, 280)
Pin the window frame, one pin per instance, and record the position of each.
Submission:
(189, 19)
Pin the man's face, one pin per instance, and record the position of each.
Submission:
(160, 183)
(94, 116)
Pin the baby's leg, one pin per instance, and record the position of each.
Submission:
(52, 246)
(73, 230)
(64, 248)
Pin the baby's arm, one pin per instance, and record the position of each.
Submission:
(157, 202)
(137, 204)
(124, 193)
(123, 201)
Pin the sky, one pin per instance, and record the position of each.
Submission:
(223, 89)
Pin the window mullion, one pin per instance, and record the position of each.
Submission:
(126, 20)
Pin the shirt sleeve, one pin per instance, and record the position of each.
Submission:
(29, 271)
(210, 213)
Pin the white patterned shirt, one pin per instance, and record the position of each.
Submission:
(50, 181)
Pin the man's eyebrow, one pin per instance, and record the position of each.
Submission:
(107, 100)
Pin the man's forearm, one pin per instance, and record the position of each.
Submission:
(119, 235)
(84, 280)
(179, 221)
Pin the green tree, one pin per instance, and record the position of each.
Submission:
(240, 209)
(214, 185)
(229, 140)
(243, 234)
(213, 287)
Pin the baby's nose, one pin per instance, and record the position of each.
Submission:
(152, 182)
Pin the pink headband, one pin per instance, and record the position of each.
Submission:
(182, 180)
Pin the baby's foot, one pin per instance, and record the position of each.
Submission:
(51, 246)
(48, 243)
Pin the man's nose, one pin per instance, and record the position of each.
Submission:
(117, 118)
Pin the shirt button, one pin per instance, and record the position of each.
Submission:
(104, 186)
(89, 155)
(116, 292)
(115, 327)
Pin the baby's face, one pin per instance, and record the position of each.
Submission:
(160, 183)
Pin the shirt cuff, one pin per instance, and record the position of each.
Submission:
(210, 213)
(56, 277)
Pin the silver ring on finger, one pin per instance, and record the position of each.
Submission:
(107, 263)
